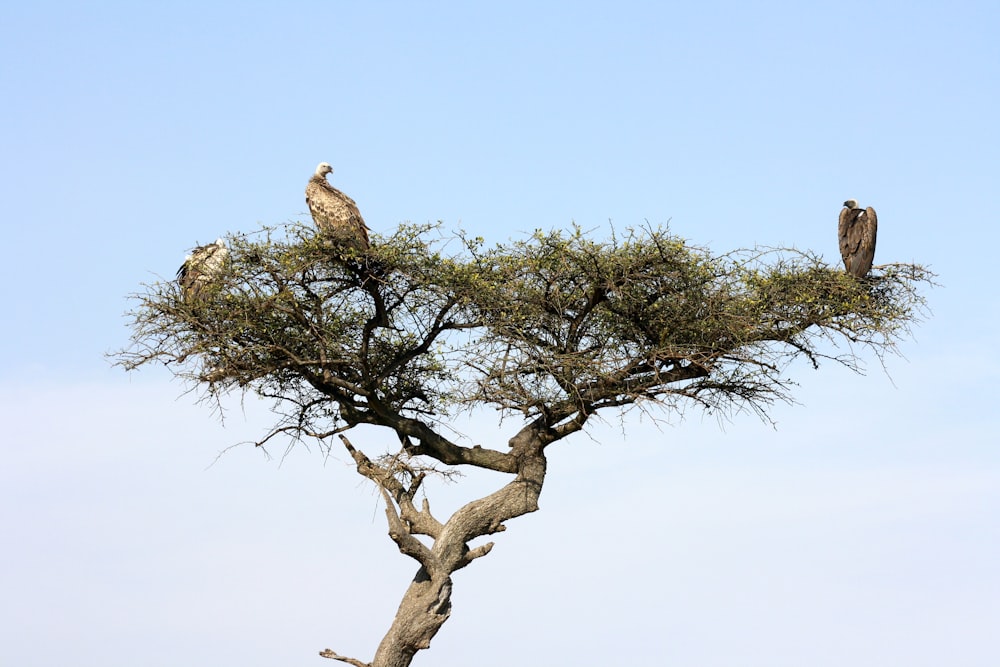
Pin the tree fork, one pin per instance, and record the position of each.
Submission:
(426, 605)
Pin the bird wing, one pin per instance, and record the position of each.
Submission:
(316, 201)
(182, 272)
(190, 274)
(867, 230)
(844, 226)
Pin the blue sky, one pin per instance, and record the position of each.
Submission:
(863, 530)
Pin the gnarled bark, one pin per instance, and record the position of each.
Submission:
(424, 609)
(426, 605)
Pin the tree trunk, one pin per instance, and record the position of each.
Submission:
(424, 609)
(427, 602)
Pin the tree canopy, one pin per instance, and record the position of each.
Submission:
(548, 330)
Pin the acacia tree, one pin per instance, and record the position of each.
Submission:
(548, 330)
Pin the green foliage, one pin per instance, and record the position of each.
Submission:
(553, 327)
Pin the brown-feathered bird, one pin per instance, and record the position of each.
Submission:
(336, 214)
(857, 229)
(202, 267)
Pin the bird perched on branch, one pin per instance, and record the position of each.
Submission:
(335, 214)
(857, 230)
(201, 268)
(341, 226)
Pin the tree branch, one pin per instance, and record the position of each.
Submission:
(328, 653)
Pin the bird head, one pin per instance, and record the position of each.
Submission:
(219, 242)
(851, 203)
(323, 169)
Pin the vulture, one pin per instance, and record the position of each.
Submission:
(335, 214)
(202, 267)
(857, 230)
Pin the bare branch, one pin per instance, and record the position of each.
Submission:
(328, 653)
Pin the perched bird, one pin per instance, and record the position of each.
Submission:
(201, 268)
(857, 229)
(335, 214)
